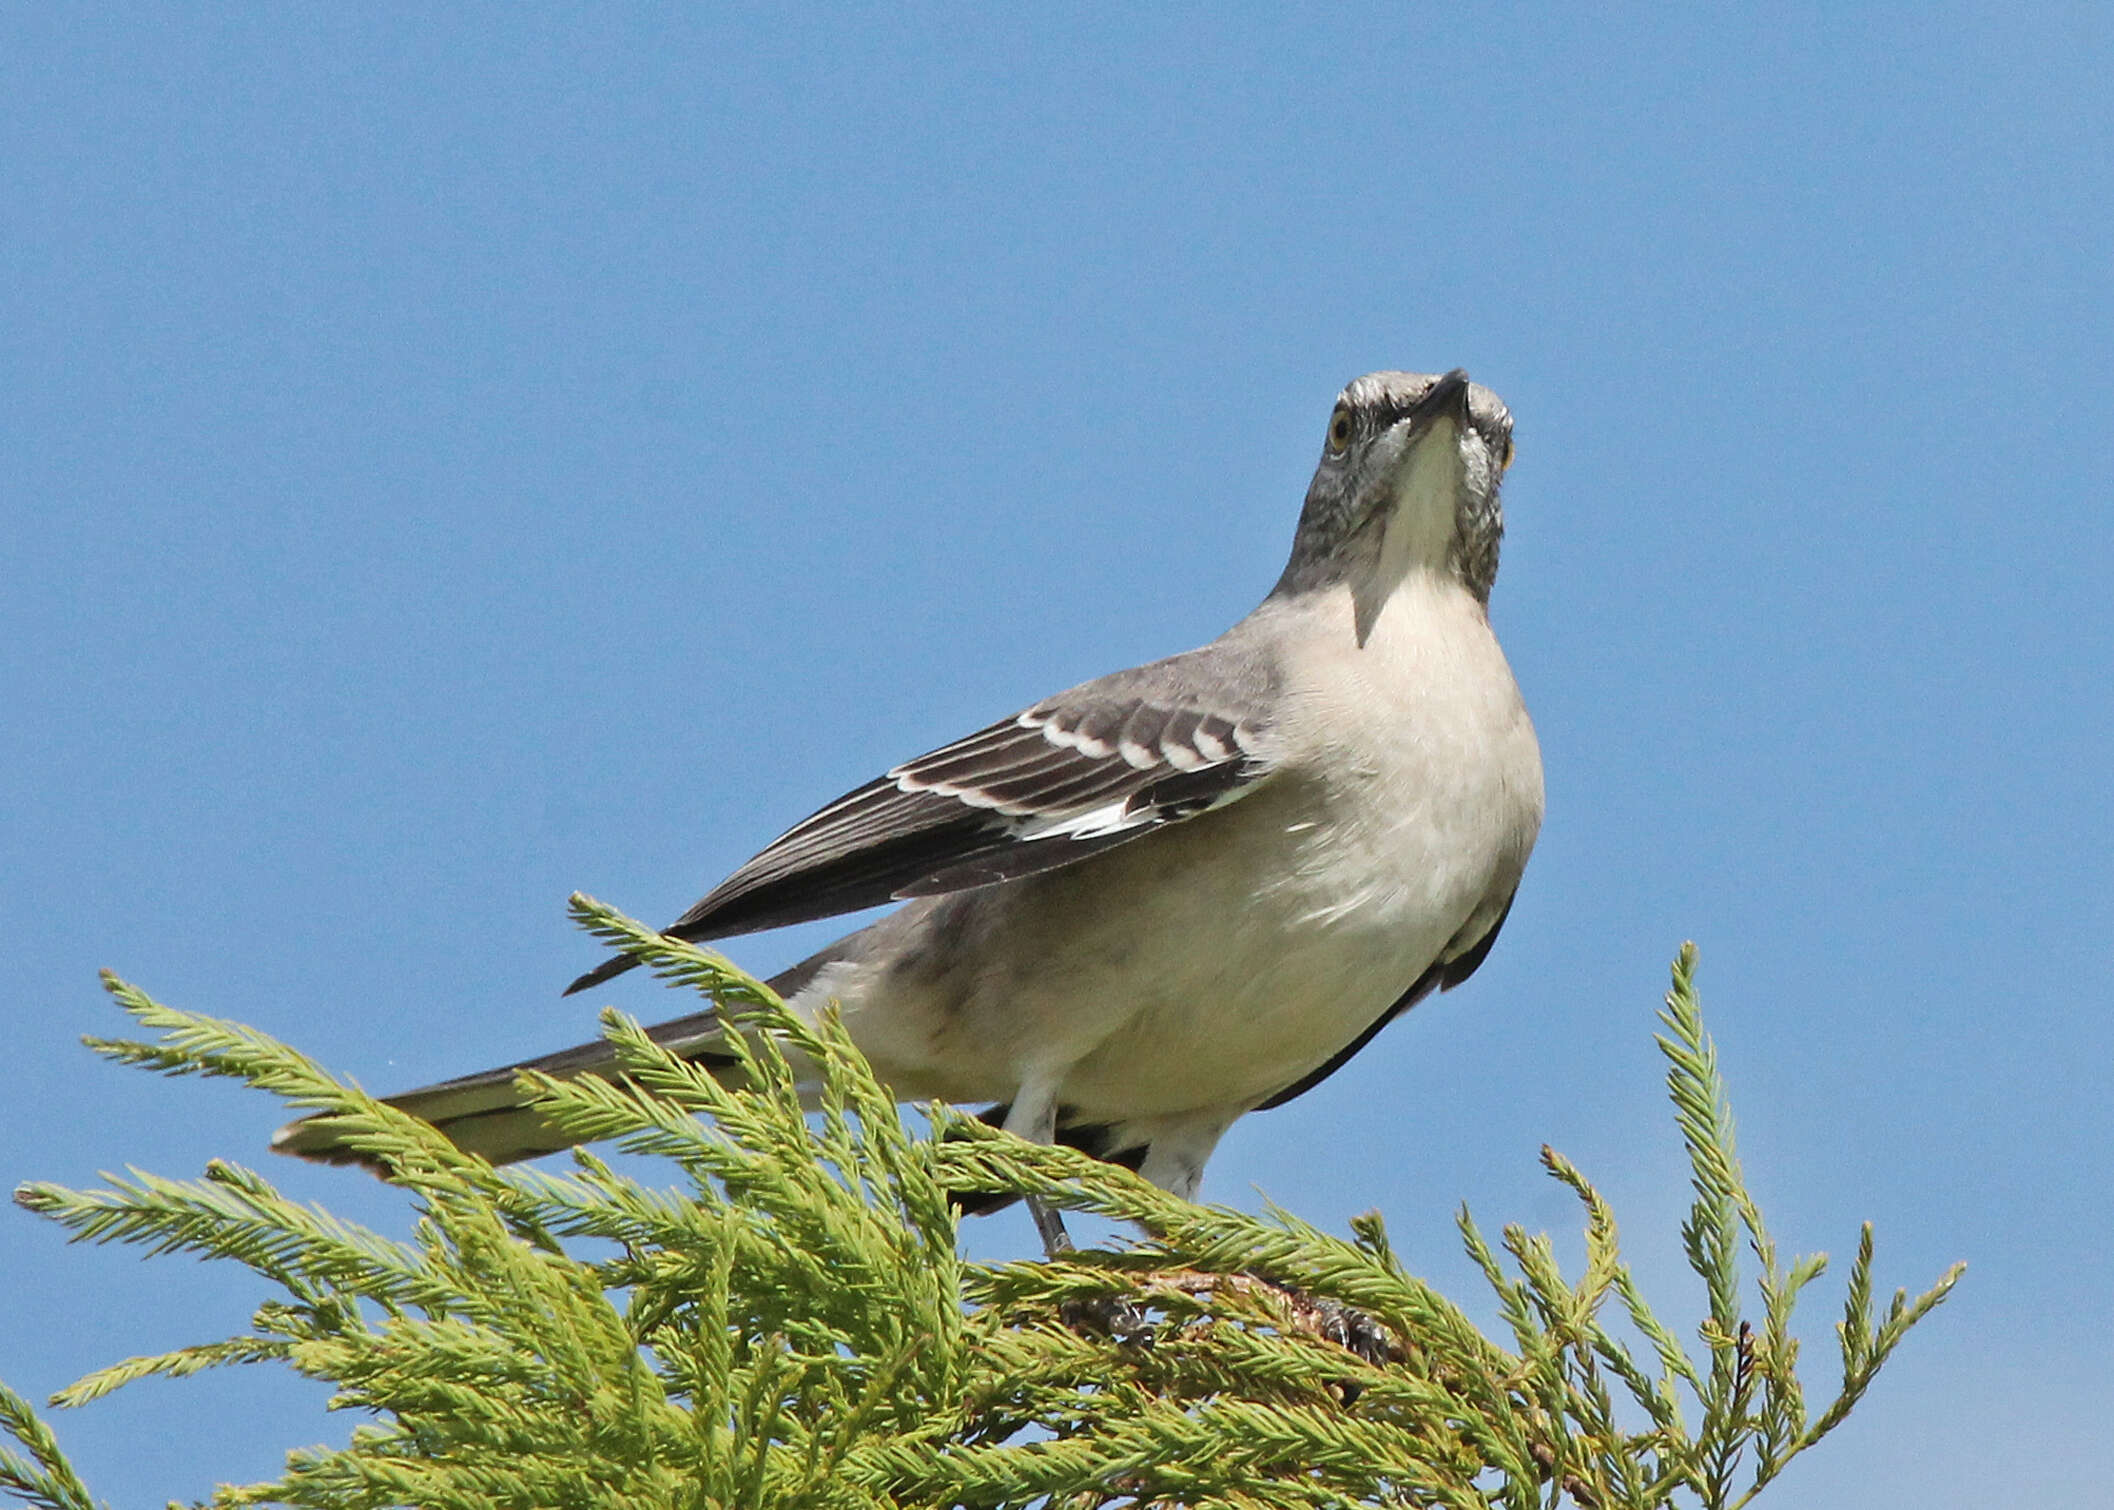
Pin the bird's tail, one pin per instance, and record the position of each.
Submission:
(486, 1113)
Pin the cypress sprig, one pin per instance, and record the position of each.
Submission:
(788, 1321)
(44, 1478)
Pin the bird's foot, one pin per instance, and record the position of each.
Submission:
(1346, 1326)
(1110, 1316)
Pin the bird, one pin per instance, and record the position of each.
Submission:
(1141, 908)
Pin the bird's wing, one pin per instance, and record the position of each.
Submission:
(1100, 765)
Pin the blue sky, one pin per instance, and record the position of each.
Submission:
(454, 459)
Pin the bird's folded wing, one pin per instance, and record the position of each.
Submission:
(1100, 765)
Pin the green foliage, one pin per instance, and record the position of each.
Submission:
(791, 1325)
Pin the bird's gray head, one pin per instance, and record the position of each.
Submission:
(1409, 477)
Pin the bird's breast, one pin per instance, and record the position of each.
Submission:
(1424, 763)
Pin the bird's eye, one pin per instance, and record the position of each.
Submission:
(1340, 433)
(1504, 461)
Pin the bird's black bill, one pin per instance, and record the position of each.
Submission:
(1448, 396)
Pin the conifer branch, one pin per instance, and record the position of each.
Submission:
(789, 1322)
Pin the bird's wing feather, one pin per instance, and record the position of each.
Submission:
(1102, 764)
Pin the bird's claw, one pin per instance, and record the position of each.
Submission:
(1109, 1316)
(1346, 1326)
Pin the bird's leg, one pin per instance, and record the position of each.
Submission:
(1034, 1117)
(1049, 1221)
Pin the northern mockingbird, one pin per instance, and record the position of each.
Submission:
(1140, 908)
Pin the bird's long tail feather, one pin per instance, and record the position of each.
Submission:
(486, 1113)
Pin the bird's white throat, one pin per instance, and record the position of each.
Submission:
(1418, 527)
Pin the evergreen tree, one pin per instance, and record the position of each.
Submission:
(791, 1324)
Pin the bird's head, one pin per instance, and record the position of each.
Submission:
(1409, 478)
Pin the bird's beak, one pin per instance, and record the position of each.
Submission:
(1409, 466)
(1448, 399)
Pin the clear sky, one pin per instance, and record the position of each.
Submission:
(456, 458)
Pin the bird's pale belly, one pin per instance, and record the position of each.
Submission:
(1218, 989)
(1266, 981)
(1284, 1005)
